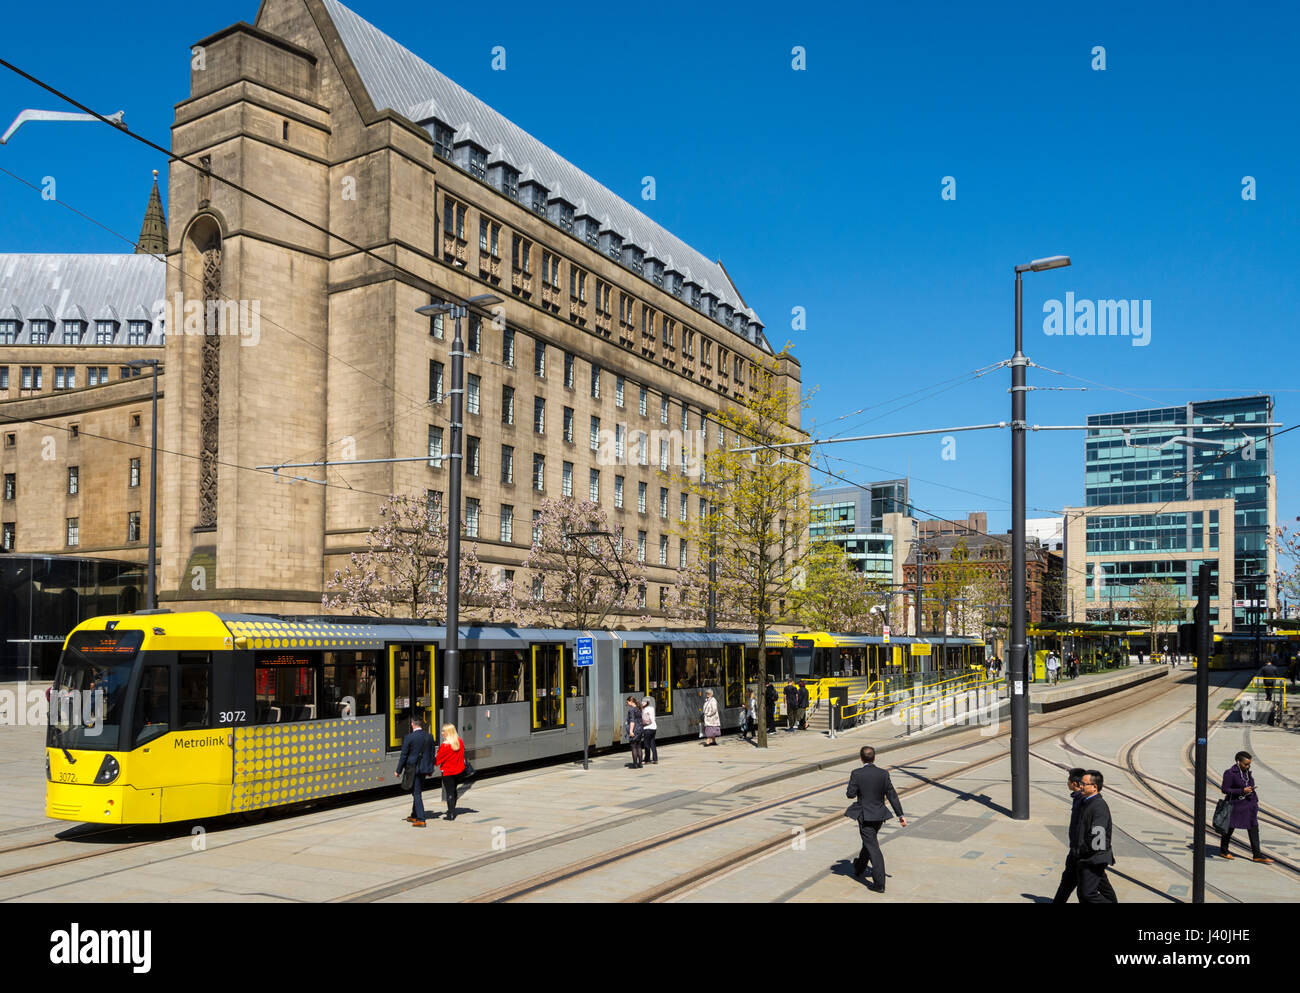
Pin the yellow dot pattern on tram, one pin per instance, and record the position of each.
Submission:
(272, 634)
(288, 763)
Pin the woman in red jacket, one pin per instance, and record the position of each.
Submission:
(451, 760)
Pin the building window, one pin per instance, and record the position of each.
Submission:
(670, 326)
(134, 475)
(593, 489)
(681, 515)
(453, 218)
(537, 540)
(663, 411)
(65, 377)
(435, 382)
(435, 447)
(595, 434)
(4, 377)
(568, 370)
(105, 332)
(9, 539)
(568, 425)
(507, 523)
(474, 343)
(539, 360)
(642, 402)
(433, 504)
(640, 498)
(539, 472)
(551, 270)
(41, 332)
(663, 454)
(595, 382)
(508, 348)
(489, 238)
(685, 418)
(97, 375)
(11, 485)
(8, 332)
(681, 555)
(663, 502)
(72, 331)
(539, 584)
(133, 526)
(642, 446)
(618, 391)
(539, 415)
(442, 139)
(663, 598)
(435, 326)
(566, 479)
(471, 455)
(74, 531)
(577, 284)
(472, 391)
(137, 332)
(471, 518)
(640, 550)
(521, 255)
(31, 377)
(74, 478)
(620, 443)
(507, 464)
(663, 549)
(618, 492)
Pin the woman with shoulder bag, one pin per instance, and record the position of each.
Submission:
(1239, 785)
(451, 760)
(634, 728)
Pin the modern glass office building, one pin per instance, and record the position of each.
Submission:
(1154, 459)
(854, 518)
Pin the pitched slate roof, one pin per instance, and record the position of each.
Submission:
(97, 287)
(397, 79)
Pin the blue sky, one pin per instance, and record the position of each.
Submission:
(821, 188)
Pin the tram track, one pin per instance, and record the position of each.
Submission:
(1127, 761)
(694, 878)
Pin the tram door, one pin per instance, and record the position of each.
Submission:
(733, 676)
(659, 676)
(548, 687)
(411, 682)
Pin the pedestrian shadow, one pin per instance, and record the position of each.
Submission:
(983, 799)
(1035, 898)
(844, 867)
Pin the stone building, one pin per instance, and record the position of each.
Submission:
(609, 323)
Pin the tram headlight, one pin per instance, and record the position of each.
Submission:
(108, 771)
(48, 777)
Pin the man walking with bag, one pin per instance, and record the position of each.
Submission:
(868, 788)
(417, 762)
(1091, 843)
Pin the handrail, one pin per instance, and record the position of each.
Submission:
(1281, 680)
(902, 695)
(924, 702)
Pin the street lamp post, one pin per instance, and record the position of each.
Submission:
(451, 656)
(1016, 664)
(151, 585)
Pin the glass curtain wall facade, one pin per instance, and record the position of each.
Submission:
(1147, 462)
(853, 518)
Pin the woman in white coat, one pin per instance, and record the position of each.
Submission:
(712, 719)
(648, 729)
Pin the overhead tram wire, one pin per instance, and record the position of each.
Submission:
(937, 389)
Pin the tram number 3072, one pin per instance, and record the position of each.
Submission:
(232, 717)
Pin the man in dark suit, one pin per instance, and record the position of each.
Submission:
(803, 702)
(1070, 875)
(769, 699)
(868, 788)
(1091, 842)
(417, 752)
(791, 704)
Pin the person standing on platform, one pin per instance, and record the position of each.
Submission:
(803, 706)
(634, 728)
(1091, 842)
(868, 788)
(649, 753)
(1070, 875)
(791, 704)
(1239, 784)
(749, 719)
(711, 718)
(770, 696)
(451, 760)
(1053, 667)
(417, 754)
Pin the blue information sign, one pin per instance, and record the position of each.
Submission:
(586, 653)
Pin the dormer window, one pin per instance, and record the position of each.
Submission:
(675, 284)
(561, 215)
(8, 332)
(41, 332)
(442, 138)
(477, 163)
(611, 243)
(105, 332)
(654, 271)
(510, 182)
(72, 332)
(137, 332)
(632, 258)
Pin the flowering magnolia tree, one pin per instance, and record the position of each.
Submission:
(402, 572)
(1286, 542)
(578, 581)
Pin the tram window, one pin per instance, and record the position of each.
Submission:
(195, 692)
(152, 704)
(751, 665)
(633, 670)
(504, 678)
(710, 667)
(285, 693)
(688, 669)
(802, 652)
(776, 663)
(350, 675)
(473, 675)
